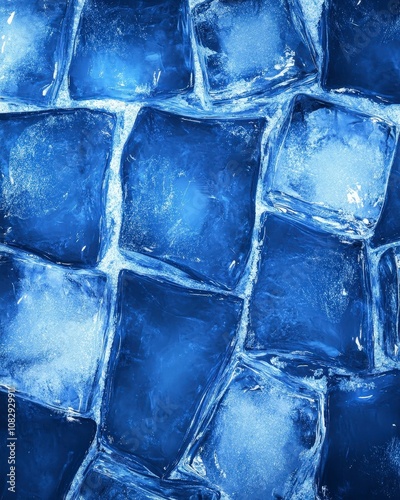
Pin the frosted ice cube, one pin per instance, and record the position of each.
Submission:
(249, 47)
(170, 345)
(52, 330)
(32, 49)
(189, 188)
(128, 50)
(311, 296)
(262, 440)
(52, 169)
(332, 165)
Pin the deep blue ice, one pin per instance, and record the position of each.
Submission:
(52, 167)
(261, 439)
(362, 48)
(52, 328)
(189, 189)
(170, 344)
(50, 448)
(252, 46)
(388, 301)
(332, 165)
(128, 50)
(361, 455)
(32, 46)
(310, 295)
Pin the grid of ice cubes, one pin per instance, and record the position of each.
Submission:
(200, 248)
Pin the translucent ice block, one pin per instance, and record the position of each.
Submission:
(52, 170)
(171, 343)
(311, 296)
(189, 188)
(52, 330)
(128, 50)
(331, 165)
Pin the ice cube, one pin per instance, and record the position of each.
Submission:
(110, 478)
(52, 168)
(387, 302)
(362, 48)
(387, 229)
(49, 449)
(262, 440)
(189, 188)
(250, 47)
(32, 49)
(170, 344)
(331, 165)
(310, 295)
(361, 454)
(52, 330)
(126, 50)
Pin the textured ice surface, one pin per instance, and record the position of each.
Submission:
(362, 47)
(31, 48)
(388, 301)
(50, 447)
(361, 456)
(251, 46)
(189, 188)
(387, 230)
(106, 478)
(261, 440)
(51, 330)
(331, 164)
(310, 295)
(128, 49)
(52, 168)
(170, 344)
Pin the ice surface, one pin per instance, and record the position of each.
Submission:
(51, 330)
(388, 301)
(170, 344)
(251, 46)
(128, 49)
(261, 440)
(361, 456)
(52, 168)
(31, 49)
(189, 188)
(332, 164)
(362, 47)
(109, 479)
(50, 448)
(310, 295)
(387, 229)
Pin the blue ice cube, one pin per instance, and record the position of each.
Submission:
(126, 50)
(388, 302)
(387, 229)
(189, 189)
(52, 168)
(262, 440)
(252, 46)
(49, 448)
(110, 479)
(171, 343)
(361, 42)
(310, 295)
(52, 329)
(361, 452)
(331, 165)
(32, 49)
